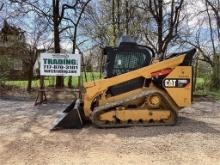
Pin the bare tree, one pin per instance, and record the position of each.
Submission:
(208, 47)
(72, 26)
(38, 34)
(54, 13)
(212, 10)
(167, 17)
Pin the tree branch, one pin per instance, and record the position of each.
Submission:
(67, 6)
(1, 7)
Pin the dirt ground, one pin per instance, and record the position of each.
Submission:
(25, 138)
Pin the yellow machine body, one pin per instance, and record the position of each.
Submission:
(167, 88)
(181, 97)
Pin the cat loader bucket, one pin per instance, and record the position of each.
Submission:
(72, 117)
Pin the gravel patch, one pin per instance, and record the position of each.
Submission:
(25, 138)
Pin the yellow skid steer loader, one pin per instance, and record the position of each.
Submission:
(136, 90)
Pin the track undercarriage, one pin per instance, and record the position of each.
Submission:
(153, 107)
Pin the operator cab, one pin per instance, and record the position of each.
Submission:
(126, 57)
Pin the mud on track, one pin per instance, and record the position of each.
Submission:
(25, 138)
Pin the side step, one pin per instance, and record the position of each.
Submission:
(73, 117)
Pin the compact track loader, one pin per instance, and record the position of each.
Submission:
(136, 91)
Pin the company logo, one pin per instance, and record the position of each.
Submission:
(170, 83)
(175, 83)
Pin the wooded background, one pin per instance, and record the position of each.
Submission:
(89, 25)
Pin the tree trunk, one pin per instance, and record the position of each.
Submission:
(30, 77)
(218, 70)
(160, 28)
(59, 79)
(215, 81)
(195, 69)
(73, 51)
(41, 87)
(113, 22)
(118, 16)
(127, 18)
(70, 82)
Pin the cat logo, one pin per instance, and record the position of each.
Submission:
(176, 83)
(170, 83)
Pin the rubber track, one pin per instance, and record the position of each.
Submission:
(106, 108)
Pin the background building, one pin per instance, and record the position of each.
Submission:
(13, 52)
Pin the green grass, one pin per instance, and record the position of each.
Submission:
(215, 94)
(200, 83)
(50, 81)
(200, 80)
(203, 89)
